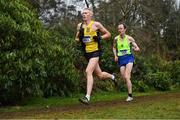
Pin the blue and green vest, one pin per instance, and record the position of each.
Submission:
(123, 46)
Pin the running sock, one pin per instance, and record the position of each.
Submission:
(88, 97)
(130, 95)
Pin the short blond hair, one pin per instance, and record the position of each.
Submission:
(90, 10)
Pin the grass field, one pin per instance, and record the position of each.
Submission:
(154, 105)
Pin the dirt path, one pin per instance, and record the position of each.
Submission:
(96, 105)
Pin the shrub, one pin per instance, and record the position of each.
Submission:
(33, 61)
(160, 80)
(140, 86)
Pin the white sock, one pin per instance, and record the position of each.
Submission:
(88, 97)
(113, 77)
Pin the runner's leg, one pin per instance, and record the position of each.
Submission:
(122, 72)
(127, 77)
(93, 62)
(101, 74)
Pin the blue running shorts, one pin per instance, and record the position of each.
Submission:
(125, 59)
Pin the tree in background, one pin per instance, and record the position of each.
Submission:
(34, 61)
(148, 22)
(172, 35)
(39, 58)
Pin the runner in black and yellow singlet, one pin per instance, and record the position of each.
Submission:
(91, 41)
(88, 35)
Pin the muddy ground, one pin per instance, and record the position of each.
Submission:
(80, 106)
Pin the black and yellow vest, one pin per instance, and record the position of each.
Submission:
(86, 36)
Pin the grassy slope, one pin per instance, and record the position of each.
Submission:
(151, 108)
(36, 103)
(149, 105)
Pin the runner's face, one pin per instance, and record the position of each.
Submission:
(121, 29)
(86, 14)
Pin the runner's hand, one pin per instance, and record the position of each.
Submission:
(115, 58)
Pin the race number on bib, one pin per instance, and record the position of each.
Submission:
(123, 52)
(86, 39)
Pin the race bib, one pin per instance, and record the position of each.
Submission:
(86, 39)
(123, 52)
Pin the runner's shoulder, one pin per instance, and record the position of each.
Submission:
(79, 25)
(116, 37)
(97, 23)
(131, 39)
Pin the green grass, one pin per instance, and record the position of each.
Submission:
(167, 110)
(152, 109)
(35, 103)
(142, 108)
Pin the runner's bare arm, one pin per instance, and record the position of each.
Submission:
(106, 34)
(114, 49)
(77, 33)
(134, 45)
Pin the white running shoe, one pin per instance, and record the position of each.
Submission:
(84, 100)
(129, 99)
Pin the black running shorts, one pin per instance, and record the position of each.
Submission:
(90, 55)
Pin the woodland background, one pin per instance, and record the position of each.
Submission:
(40, 58)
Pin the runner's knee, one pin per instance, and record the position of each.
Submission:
(89, 71)
(127, 77)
